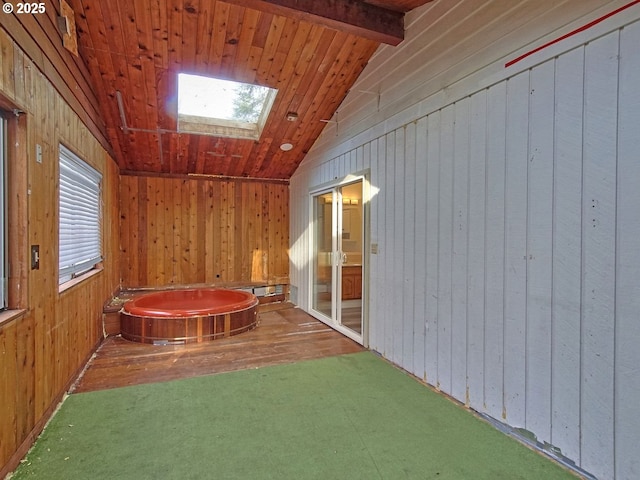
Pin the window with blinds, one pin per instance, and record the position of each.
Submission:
(80, 216)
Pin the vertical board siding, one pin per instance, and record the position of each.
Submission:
(432, 245)
(508, 266)
(376, 268)
(539, 251)
(445, 233)
(599, 250)
(627, 293)
(494, 253)
(419, 255)
(474, 396)
(397, 234)
(188, 231)
(515, 244)
(388, 246)
(460, 250)
(408, 246)
(567, 253)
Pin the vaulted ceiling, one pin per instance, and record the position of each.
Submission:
(312, 51)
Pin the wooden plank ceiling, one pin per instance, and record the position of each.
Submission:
(138, 48)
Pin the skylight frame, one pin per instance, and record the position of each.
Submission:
(221, 127)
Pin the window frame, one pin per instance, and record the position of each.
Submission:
(80, 214)
(4, 229)
(220, 127)
(16, 221)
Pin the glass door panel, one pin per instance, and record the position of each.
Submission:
(323, 254)
(351, 247)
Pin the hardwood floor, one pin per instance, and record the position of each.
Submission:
(284, 334)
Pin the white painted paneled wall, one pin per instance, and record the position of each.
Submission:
(508, 230)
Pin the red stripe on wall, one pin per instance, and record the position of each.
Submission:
(570, 34)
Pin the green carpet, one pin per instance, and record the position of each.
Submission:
(346, 417)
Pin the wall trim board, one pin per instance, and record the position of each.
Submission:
(131, 173)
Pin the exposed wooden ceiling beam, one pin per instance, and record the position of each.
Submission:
(351, 16)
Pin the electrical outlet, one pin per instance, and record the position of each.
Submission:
(35, 257)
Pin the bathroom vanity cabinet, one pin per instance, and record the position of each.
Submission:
(351, 282)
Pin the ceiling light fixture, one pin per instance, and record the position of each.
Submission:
(285, 147)
(292, 116)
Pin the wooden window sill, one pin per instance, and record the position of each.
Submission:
(63, 287)
(8, 316)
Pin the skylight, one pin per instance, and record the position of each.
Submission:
(210, 106)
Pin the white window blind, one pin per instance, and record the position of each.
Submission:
(3, 215)
(80, 218)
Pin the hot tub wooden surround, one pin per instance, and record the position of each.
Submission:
(111, 318)
(191, 315)
(183, 330)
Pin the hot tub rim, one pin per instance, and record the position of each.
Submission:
(149, 312)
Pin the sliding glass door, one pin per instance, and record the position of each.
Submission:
(337, 257)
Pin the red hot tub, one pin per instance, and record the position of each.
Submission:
(192, 315)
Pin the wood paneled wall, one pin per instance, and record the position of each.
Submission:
(42, 350)
(203, 230)
(41, 41)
